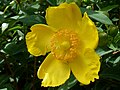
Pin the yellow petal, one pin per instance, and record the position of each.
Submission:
(86, 67)
(88, 32)
(38, 40)
(53, 72)
(64, 16)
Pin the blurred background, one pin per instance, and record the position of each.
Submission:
(18, 68)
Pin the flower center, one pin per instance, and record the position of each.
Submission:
(65, 45)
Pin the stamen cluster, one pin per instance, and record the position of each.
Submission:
(65, 45)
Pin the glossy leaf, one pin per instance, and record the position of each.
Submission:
(97, 15)
(101, 18)
(109, 8)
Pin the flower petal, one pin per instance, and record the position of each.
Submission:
(86, 67)
(38, 40)
(64, 16)
(53, 72)
(88, 32)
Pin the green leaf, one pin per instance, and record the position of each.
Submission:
(4, 26)
(111, 46)
(109, 77)
(1, 18)
(109, 8)
(15, 28)
(102, 52)
(36, 6)
(52, 2)
(30, 10)
(60, 1)
(117, 40)
(99, 16)
(14, 48)
(3, 89)
(83, 10)
(69, 1)
(117, 60)
(111, 72)
(3, 80)
(32, 19)
(9, 86)
(20, 34)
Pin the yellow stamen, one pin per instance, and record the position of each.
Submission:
(65, 45)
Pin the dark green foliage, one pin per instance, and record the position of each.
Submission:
(18, 68)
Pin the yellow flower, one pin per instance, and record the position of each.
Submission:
(71, 40)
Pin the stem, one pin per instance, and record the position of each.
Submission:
(119, 18)
(115, 52)
(18, 1)
(34, 77)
